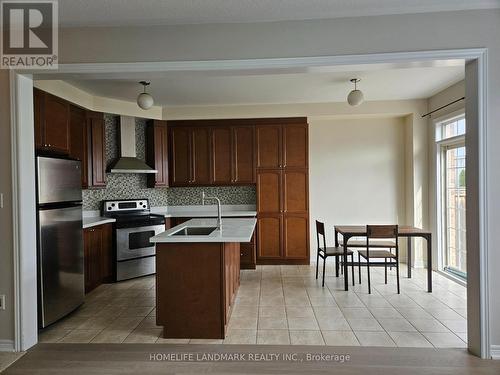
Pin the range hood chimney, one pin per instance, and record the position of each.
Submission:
(128, 161)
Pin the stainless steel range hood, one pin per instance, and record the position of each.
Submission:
(128, 161)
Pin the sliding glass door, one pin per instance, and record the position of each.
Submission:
(453, 196)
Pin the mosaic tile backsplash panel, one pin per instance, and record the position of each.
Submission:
(129, 186)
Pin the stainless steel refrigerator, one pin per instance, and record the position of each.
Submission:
(59, 238)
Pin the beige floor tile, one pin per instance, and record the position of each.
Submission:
(297, 301)
(272, 301)
(243, 322)
(241, 336)
(97, 323)
(272, 311)
(306, 338)
(80, 336)
(356, 313)
(374, 301)
(205, 341)
(444, 340)
(374, 339)
(340, 338)
(273, 337)
(72, 321)
(52, 335)
(129, 322)
(272, 323)
(428, 325)
(144, 335)
(302, 324)
(410, 340)
(7, 359)
(111, 336)
(396, 325)
(414, 313)
(385, 313)
(446, 313)
(327, 312)
(299, 312)
(244, 310)
(322, 301)
(370, 324)
(455, 325)
(333, 323)
(136, 311)
(148, 322)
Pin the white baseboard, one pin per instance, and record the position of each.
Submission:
(495, 352)
(6, 345)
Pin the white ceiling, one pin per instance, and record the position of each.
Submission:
(176, 12)
(328, 84)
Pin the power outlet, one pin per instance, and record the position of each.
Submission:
(2, 302)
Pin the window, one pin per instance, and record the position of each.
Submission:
(452, 176)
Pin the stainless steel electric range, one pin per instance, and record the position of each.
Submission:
(134, 226)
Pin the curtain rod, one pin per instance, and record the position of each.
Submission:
(444, 106)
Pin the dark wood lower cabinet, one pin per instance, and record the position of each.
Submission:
(98, 256)
(248, 258)
(269, 237)
(196, 284)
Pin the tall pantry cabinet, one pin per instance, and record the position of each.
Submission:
(282, 192)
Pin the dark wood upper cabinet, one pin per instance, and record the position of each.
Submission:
(190, 150)
(268, 146)
(221, 156)
(200, 155)
(295, 146)
(56, 124)
(96, 149)
(157, 152)
(78, 140)
(180, 146)
(51, 121)
(243, 154)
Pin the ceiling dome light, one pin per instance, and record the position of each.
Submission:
(355, 97)
(145, 100)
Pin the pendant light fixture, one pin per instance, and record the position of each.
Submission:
(145, 100)
(355, 97)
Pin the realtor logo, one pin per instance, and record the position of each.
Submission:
(29, 34)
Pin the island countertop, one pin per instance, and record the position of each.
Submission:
(233, 230)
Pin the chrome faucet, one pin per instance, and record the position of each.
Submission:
(219, 211)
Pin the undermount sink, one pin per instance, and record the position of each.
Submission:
(194, 231)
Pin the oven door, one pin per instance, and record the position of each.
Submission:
(134, 242)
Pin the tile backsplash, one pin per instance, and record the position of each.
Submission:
(128, 186)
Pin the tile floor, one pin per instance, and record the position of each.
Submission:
(287, 305)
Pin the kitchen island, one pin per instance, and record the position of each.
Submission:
(198, 276)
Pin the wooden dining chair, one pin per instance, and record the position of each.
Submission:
(324, 252)
(380, 232)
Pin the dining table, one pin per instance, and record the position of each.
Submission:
(408, 232)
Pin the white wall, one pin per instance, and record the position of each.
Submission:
(356, 172)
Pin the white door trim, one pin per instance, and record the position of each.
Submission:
(25, 331)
